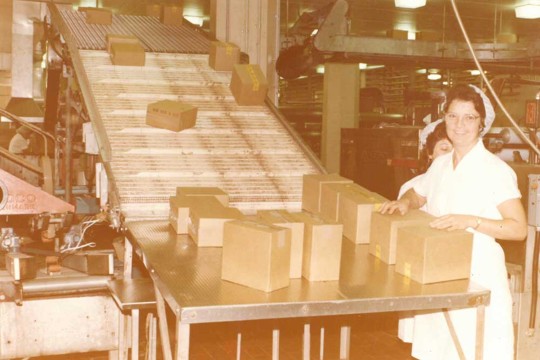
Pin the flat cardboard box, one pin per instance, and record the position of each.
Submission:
(284, 219)
(222, 56)
(179, 213)
(248, 84)
(256, 255)
(171, 115)
(312, 188)
(120, 39)
(322, 247)
(384, 232)
(216, 192)
(153, 10)
(355, 210)
(172, 15)
(207, 217)
(429, 255)
(398, 34)
(127, 54)
(330, 193)
(97, 16)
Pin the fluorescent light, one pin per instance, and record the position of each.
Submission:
(410, 4)
(362, 66)
(528, 11)
(434, 76)
(475, 72)
(319, 69)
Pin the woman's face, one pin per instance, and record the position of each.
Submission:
(442, 147)
(462, 123)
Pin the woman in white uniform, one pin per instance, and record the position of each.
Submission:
(470, 188)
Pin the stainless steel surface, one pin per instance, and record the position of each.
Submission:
(65, 284)
(133, 293)
(190, 280)
(154, 36)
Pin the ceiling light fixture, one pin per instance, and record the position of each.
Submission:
(528, 11)
(434, 76)
(410, 4)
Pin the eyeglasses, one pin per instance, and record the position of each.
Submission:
(468, 118)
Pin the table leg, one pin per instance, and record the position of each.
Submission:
(182, 341)
(128, 259)
(275, 344)
(321, 351)
(135, 334)
(306, 342)
(480, 319)
(345, 343)
(162, 323)
(238, 345)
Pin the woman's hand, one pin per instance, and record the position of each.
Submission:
(454, 222)
(402, 205)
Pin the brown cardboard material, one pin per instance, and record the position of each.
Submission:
(222, 56)
(429, 36)
(171, 115)
(207, 217)
(384, 232)
(429, 255)
(216, 192)
(127, 54)
(120, 39)
(97, 16)
(153, 10)
(248, 84)
(256, 255)
(312, 187)
(284, 219)
(179, 213)
(330, 194)
(322, 247)
(398, 34)
(172, 15)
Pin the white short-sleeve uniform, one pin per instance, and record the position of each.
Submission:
(480, 182)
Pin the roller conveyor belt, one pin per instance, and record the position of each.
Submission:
(245, 150)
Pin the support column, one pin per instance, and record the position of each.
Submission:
(340, 109)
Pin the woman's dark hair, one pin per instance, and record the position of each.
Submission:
(466, 93)
(439, 133)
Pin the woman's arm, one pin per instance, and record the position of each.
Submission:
(513, 226)
(409, 200)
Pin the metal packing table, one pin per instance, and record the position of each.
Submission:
(189, 279)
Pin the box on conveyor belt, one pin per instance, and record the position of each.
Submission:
(355, 210)
(322, 247)
(172, 14)
(120, 39)
(216, 192)
(171, 115)
(179, 213)
(312, 188)
(97, 15)
(330, 194)
(127, 54)
(248, 84)
(384, 231)
(429, 255)
(153, 10)
(222, 56)
(284, 219)
(256, 255)
(206, 219)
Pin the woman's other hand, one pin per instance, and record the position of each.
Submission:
(454, 222)
(389, 207)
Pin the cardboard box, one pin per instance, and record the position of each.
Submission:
(153, 10)
(248, 84)
(507, 38)
(216, 192)
(312, 187)
(429, 36)
(172, 15)
(120, 39)
(398, 34)
(355, 210)
(206, 219)
(223, 55)
(322, 247)
(97, 16)
(384, 232)
(429, 255)
(256, 255)
(127, 54)
(179, 213)
(330, 193)
(171, 115)
(284, 219)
